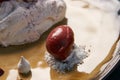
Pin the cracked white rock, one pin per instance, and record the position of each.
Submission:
(24, 22)
(24, 66)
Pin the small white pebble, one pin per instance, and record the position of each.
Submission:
(23, 66)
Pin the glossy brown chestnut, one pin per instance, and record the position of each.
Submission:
(60, 41)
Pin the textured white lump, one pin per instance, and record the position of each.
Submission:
(77, 55)
(24, 22)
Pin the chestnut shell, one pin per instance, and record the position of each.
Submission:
(60, 41)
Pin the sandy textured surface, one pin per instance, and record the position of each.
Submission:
(95, 28)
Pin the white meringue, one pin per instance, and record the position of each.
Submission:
(22, 22)
(23, 65)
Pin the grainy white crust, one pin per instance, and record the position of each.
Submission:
(22, 22)
(76, 57)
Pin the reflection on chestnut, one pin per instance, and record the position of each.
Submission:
(60, 41)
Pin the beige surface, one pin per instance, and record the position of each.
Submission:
(94, 29)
